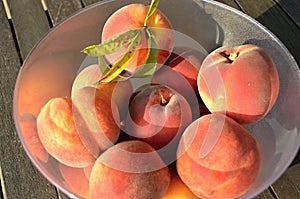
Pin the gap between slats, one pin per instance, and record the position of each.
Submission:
(3, 191)
(271, 189)
(287, 14)
(8, 14)
(45, 8)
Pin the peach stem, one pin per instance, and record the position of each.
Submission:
(231, 57)
(163, 100)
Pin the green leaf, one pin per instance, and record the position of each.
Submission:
(112, 45)
(152, 8)
(117, 68)
(103, 65)
(121, 64)
(149, 66)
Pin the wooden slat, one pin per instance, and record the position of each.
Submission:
(288, 185)
(268, 13)
(265, 195)
(59, 10)
(19, 178)
(292, 8)
(30, 23)
(294, 176)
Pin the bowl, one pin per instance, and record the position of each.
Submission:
(53, 64)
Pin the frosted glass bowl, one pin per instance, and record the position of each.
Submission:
(54, 62)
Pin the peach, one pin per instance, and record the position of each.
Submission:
(126, 170)
(27, 124)
(187, 62)
(240, 81)
(57, 132)
(217, 157)
(87, 171)
(118, 92)
(96, 118)
(157, 115)
(132, 17)
(177, 189)
(180, 73)
(75, 180)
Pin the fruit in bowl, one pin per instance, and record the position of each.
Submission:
(177, 188)
(217, 157)
(157, 115)
(240, 81)
(31, 137)
(132, 17)
(180, 73)
(136, 41)
(67, 136)
(56, 128)
(75, 179)
(118, 92)
(120, 172)
(107, 91)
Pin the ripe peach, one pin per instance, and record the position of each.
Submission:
(157, 115)
(131, 17)
(87, 170)
(217, 157)
(124, 171)
(177, 189)
(180, 73)
(75, 180)
(187, 62)
(241, 81)
(58, 134)
(27, 124)
(118, 92)
(96, 118)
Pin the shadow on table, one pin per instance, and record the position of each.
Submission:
(283, 20)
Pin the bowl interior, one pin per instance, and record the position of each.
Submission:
(52, 65)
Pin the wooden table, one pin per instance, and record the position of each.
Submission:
(24, 22)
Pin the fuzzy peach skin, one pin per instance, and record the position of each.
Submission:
(75, 180)
(109, 182)
(180, 72)
(217, 157)
(58, 134)
(240, 81)
(27, 124)
(157, 115)
(131, 17)
(87, 171)
(187, 62)
(177, 189)
(96, 118)
(118, 92)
